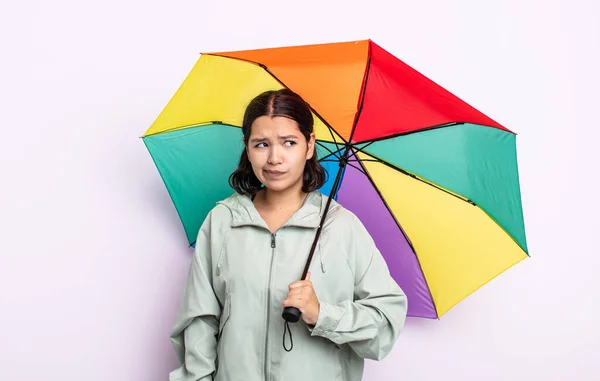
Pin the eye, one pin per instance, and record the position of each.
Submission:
(290, 143)
(260, 145)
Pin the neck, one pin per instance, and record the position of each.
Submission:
(289, 198)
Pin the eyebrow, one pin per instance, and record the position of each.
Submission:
(285, 137)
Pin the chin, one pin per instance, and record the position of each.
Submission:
(280, 186)
(274, 186)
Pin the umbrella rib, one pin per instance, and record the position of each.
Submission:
(200, 124)
(460, 197)
(424, 129)
(366, 172)
(363, 90)
(326, 158)
(325, 147)
(333, 137)
(358, 169)
(361, 149)
(373, 160)
(349, 160)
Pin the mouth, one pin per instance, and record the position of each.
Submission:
(274, 174)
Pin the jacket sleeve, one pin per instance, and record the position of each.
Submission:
(196, 324)
(371, 323)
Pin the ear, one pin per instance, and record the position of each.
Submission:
(311, 147)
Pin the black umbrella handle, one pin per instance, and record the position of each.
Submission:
(291, 314)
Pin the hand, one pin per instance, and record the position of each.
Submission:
(302, 296)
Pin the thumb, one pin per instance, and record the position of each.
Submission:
(308, 276)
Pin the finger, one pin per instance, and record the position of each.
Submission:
(294, 302)
(300, 283)
(288, 303)
(298, 294)
(295, 298)
(306, 291)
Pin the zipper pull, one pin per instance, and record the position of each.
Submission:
(272, 240)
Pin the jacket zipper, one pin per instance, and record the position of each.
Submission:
(269, 307)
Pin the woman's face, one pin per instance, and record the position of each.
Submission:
(278, 152)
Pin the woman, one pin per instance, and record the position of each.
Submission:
(251, 251)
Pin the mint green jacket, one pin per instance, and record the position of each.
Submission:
(229, 325)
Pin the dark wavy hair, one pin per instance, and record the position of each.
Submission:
(272, 103)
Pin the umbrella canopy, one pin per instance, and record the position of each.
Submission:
(434, 181)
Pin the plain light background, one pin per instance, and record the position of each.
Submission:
(93, 256)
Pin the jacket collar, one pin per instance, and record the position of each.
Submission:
(244, 212)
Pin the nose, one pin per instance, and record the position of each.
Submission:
(274, 155)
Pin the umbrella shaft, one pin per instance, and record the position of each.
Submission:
(343, 161)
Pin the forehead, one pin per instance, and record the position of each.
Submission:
(278, 125)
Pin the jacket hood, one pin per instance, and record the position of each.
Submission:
(243, 211)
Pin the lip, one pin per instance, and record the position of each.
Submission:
(274, 174)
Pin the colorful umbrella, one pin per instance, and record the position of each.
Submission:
(433, 180)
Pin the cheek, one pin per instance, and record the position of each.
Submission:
(257, 159)
(298, 162)
(252, 156)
